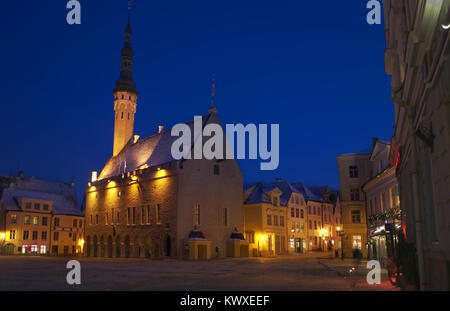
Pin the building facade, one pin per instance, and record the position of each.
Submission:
(39, 217)
(382, 204)
(145, 203)
(417, 59)
(354, 171)
(282, 218)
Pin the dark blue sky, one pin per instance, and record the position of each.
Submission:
(314, 67)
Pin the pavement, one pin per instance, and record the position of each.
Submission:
(313, 271)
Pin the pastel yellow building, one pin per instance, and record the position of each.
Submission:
(282, 218)
(39, 217)
(354, 171)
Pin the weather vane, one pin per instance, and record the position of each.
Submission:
(213, 90)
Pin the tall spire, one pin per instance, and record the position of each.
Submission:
(126, 82)
(213, 95)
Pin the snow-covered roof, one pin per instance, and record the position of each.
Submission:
(62, 195)
(257, 192)
(152, 151)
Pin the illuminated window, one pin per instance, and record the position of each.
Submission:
(302, 214)
(302, 228)
(13, 218)
(43, 249)
(357, 241)
(26, 220)
(35, 221)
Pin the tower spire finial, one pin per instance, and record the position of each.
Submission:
(213, 95)
(129, 10)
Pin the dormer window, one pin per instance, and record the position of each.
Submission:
(275, 201)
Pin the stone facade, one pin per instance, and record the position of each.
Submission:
(417, 58)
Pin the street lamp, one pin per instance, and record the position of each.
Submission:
(2, 241)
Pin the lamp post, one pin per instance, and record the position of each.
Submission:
(2, 241)
(341, 235)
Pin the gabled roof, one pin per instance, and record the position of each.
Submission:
(307, 193)
(152, 151)
(62, 195)
(256, 193)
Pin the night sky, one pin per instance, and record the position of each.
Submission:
(314, 67)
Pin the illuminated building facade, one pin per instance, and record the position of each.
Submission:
(354, 171)
(283, 218)
(417, 59)
(144, 203)
(39, 217)
(382, 204)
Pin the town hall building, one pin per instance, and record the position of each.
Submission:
(145, 203)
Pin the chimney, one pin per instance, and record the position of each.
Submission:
(160, 129)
